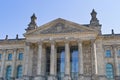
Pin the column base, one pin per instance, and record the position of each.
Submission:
(87, 77)
(102, 77)
(80, 77)
(26, 77)
(94, 77)
(117, 77)
(12, 78)
(52, 77)
(1, 78)
(67, 77)
(39, 77)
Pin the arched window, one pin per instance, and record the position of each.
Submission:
(19, 71)
(109, 71)
(8, 72)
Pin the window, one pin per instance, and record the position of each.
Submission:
(10, 56)
(74, 65)
(108, 53)
(74, 62)
(8, 72)
(0, 56)
(109, 71)
(60, 63)
(47, 61)
(20, 56)
(19, 71)
(119, 53)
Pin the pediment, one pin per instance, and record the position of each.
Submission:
(59, 26)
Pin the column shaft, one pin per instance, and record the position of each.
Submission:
(52, 59)
(67, 59)
(95, 57)
(116, 61)
(3, 64)
(52, 62)
(80, 58)
(94, 60)
(14, 63)
(39, 65)
(26, 59)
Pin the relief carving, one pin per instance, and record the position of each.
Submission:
(61, 28)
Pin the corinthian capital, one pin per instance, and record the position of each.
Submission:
(27, 43)
(92, 40)
(79, 41)
(52, 42)
(40, 42)
(15, 49)
(3, 50)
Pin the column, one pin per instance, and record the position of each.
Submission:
(53, 61)
(94, 60)
(14, 64)
(117, 74)
(81, 76)
(40, 75)
(100, 59)
(3, 64)
(67, 61)
(26, 60)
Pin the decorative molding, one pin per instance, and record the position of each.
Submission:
(40, 42)
(79, 41)
(60, 28)
(53, 42)
(27, 43)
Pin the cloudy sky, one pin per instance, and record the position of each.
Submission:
(15, 14)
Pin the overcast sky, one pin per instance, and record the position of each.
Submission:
(15, 14)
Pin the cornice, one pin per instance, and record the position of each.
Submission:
(12, 41)
(109, 36)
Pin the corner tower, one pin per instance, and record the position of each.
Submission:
(94, 22)
(32, 25)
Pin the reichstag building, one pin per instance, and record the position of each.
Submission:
(61, 50)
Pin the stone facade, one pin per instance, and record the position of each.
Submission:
(43, 41)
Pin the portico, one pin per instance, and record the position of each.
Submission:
(52, 58)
